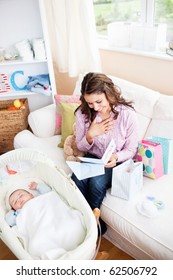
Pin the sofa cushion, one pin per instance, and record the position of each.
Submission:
(63, 99)
(143, 106)
(68, 119)
(162, 119)
(163, 109)
(139, 230)
(136, 92)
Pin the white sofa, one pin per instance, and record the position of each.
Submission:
(138, 235)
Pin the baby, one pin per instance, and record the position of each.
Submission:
(48, 226)
(16, 198)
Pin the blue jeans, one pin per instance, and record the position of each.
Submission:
(94, 188)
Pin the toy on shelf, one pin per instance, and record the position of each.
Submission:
(17, 104)
(4, 85)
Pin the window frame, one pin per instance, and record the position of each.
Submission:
(147, 12)
(146, 20)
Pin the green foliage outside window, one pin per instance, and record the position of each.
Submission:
(129, 11)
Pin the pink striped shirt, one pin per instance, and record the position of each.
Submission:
(124, 133)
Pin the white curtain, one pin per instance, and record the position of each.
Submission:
(74, 32)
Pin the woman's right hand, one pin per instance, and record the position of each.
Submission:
(99, 128)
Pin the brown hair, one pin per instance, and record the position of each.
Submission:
(99, 83)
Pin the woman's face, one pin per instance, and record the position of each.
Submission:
(98, 102)
(19, 198)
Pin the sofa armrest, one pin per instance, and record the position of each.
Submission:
(42, 121)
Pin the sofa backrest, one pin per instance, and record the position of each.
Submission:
(42, 121)
(144, 101)
(162, 118)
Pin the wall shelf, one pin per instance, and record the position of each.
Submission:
(12, 94)
(19, 61)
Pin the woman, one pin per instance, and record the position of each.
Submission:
(103, 115)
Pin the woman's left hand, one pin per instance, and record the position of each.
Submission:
(112, 162)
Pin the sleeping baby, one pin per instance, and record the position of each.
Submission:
(48, 226)
(16, 198)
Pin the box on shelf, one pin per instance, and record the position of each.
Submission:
(11, 122)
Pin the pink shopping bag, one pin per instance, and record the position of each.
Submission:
(150, 153)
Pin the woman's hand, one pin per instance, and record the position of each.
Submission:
(33, 186)
(112, 162)
(99, 128)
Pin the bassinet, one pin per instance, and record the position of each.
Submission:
(44, 169)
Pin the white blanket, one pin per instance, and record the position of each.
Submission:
(49, 227)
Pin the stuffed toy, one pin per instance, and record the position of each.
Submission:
(71, 151)
(17, 104)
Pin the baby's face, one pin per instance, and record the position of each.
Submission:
(19, 198)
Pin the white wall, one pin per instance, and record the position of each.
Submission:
(151, 72)
(23, 11)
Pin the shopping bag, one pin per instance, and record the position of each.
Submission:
(127, 179)
(167, 151)
(150, 153)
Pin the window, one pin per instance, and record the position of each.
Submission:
(164, 14)
(138, 24)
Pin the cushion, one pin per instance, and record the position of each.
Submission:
(68, 119)
(162, 119)
(138, 230)
(136, 93)
(64, 99)
(163, 108)
(143, 125)
(160, 128)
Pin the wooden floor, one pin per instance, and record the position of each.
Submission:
(5, 253)
(113, 253)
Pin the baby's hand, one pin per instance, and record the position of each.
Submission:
(33, 186)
